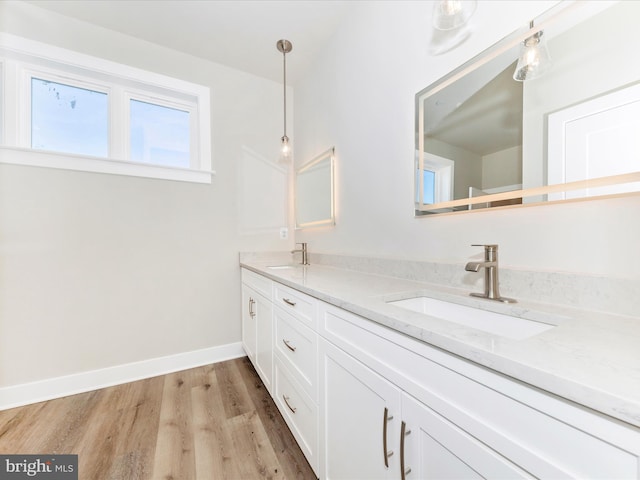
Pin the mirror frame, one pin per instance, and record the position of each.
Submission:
(560, 12)
(331, 220)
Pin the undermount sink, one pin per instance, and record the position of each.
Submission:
(281, 267)
(508, 326)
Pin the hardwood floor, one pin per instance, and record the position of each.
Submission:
(211, 422)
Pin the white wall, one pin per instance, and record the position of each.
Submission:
(502, 168)
(360, 98)
(102, 270)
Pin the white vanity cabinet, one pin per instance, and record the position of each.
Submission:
(367, 402)
(371, 429)
(279, 336)
(257, 324)
(464, 421)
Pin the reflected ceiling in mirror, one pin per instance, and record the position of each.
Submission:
(314, 192)
(485, 140)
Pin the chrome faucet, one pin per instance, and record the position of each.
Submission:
(490, 265)
(303, 250)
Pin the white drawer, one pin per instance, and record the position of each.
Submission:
(297, 346)
(546, 436)
(257, 282)
(299, 411)
(297, 303)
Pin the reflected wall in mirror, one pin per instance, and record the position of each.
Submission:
(314, 191)
(485, 140)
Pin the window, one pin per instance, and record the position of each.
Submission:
(428, 186)
(69, 119)
(159, 134)
(83, 113)
(437, 179)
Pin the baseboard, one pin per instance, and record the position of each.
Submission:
(41, 390)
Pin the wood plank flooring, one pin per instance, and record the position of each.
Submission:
(211, 422)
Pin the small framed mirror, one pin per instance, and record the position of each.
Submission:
(314, 191)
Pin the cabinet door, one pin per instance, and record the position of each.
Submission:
(257, 333)
(360, 417)
(434, 448)
(249, 329)
(264, 340)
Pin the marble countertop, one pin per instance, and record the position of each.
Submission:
(591, 358)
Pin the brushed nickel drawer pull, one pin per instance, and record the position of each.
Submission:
(403, 433)
(286, 400)
(386, 453)
(289, 302)
(251, 312)
(286, 342)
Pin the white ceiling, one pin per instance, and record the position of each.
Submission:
(238, 33)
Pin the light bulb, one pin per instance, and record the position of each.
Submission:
(450, 14)
(534, 59)
(450, 7)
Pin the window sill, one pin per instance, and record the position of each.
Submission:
(66, 161)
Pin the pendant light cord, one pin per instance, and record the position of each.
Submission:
(284, 75)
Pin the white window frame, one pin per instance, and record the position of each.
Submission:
(22, 59)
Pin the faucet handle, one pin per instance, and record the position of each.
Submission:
(490, 252)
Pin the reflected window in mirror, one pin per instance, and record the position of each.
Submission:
(437, 179)
(428, 186)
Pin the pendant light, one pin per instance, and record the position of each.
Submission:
(285, 47)
(450, 14)
(534, 59)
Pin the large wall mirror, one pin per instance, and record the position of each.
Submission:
(486, 140)
(314, 191)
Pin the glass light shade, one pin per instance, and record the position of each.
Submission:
(534, 59)
(450, 14)
(285, 150)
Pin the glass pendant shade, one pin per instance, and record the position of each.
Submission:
(285, 150)
(534, 59)
(450, 14)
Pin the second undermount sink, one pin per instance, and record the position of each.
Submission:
(500, 324)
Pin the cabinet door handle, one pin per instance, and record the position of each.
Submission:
(286, 342)
(289, 302)
(251, 312)
(286, 400)
(387, 453)
(403, 433)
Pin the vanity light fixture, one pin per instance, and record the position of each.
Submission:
(450, 14)
(534, 59)
(285, 47)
